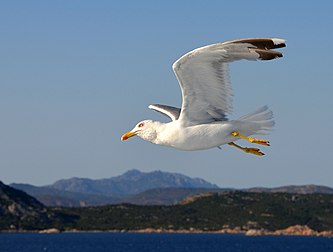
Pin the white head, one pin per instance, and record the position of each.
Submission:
(146, 129)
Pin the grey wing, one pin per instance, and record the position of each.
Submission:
(204, 78)
(169, 111)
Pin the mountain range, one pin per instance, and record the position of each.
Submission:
(123, 188)
(141, 188)
(130, 183)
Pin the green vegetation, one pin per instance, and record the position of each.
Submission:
(269, 211)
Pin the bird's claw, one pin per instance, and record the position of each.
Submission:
(259, 141)
(254, 151)
(250, 139)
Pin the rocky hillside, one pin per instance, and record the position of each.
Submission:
(19, 211)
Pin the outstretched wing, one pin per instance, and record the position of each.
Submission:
(169, 111)
(204, 80)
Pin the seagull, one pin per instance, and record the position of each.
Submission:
(202, 121)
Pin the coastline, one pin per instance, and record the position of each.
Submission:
(296, 230)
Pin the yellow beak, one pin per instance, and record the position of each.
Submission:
(128, 135)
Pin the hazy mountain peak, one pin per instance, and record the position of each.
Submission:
(133, 172)
(129, 183)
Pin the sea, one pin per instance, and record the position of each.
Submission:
(159, 242)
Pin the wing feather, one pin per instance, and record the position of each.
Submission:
(169, 111)
(203, 76)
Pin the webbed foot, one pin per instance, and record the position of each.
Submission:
(250, 139)
(254, 151)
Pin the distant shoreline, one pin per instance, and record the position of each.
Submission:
(296, 230)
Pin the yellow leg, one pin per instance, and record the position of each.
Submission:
(251, 139)
(254, 151)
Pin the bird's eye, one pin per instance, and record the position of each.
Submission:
(140, 125)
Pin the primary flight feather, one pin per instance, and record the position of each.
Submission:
(202, 121)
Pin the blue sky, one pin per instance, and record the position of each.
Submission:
(75, 75)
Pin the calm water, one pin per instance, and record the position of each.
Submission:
(83, 242)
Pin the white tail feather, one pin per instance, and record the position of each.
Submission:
(257, 122)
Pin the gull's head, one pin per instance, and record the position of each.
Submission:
(146, 129)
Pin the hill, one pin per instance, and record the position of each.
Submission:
(214, 211)
(303, 189)
(166, 196)
(170, 196)
(19, 211)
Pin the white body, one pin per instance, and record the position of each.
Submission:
(205, 136)
(196, 137)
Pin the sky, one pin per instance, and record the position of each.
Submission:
(76, 75)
